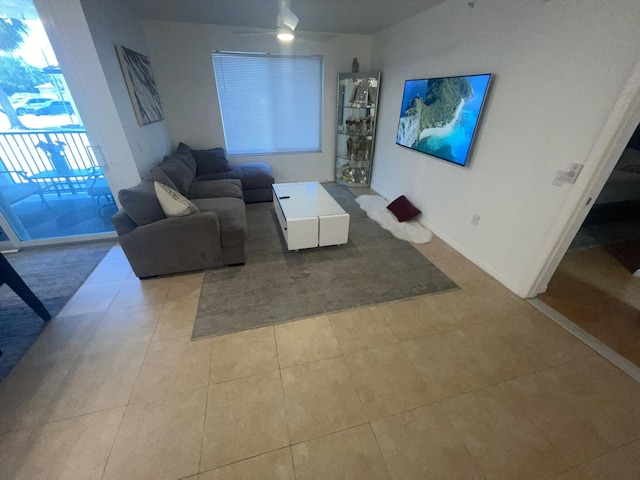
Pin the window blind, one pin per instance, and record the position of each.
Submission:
(270, 104)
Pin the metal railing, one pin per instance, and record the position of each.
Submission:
(19, 151)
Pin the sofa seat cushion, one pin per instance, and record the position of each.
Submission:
(232, 218)
(216, 188)
(253, 175)
(141, 203)
(178, 172)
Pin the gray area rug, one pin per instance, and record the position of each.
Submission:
(54, 274)
(276, 286)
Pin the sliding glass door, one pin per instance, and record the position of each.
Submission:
(52, 187)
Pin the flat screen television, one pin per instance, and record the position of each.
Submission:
(440, 116)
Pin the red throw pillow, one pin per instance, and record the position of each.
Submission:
(403, 209)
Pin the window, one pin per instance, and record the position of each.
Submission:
(270, 104)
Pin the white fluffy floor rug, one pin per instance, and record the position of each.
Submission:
(376, 208)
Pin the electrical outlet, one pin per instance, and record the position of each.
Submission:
(574, 171)
(561, 178)
(475, 219)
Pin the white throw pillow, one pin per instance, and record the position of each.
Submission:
(173, 203)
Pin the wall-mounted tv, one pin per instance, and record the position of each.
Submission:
(439, 116)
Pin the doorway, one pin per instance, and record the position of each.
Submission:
(595, 285)
(50, 176)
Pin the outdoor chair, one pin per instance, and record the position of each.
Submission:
(12, 190)
(98, 188)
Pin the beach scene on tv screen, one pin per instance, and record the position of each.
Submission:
(439, 115)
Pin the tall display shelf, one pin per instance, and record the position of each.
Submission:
(356, 127)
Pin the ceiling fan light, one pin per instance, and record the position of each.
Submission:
(285, 35)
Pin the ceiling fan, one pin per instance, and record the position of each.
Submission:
(286, 23)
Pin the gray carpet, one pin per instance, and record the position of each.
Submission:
(276, 286)
(54, 274)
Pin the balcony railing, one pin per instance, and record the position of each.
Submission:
(19, 151)
(61, 166)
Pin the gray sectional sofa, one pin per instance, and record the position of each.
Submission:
(214, 236)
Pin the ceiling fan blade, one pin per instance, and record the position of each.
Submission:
(252, 34)
(287, 17)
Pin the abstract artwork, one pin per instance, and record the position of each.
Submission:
(141, 85)
(439, 116)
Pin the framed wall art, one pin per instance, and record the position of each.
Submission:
(138, 76)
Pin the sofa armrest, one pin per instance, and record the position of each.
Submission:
(175, 244)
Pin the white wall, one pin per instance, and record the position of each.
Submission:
(559, 67)
(181, 55)
(70, 37)
(111, 23)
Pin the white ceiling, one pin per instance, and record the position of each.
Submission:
(335, 16)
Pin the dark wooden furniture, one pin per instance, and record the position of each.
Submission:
(9, 276)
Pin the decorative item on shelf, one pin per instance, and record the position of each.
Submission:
(347, 173)
(360, 94)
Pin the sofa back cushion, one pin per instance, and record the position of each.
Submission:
(141, 203)
(183, 153)
(178, 172)
(158, 175)
(213, 160)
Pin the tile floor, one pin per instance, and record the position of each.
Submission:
(594, 290)
(470, 384)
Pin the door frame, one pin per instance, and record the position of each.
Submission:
(604, 154)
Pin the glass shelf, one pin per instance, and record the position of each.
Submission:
(356, 127)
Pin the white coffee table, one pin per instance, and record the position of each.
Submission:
(309, 217)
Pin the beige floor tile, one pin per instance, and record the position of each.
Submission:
(451, 363)
(123, 327)
(91, 298)
(63, 337)
(386, 381)
(451, 310)
(185, 285)
(11, 447)
(493, 300)
(27, 391)
(159, 439)
(422, 444)
(173, 366)
(360, 329)
(502, 440)
(275, 465)
(176, 319)
(350, 455)
(98, 381)
(305, 341)
(243, 354)
(245, 417)
(502, 351)
(320, 398)
(544, 338)
(436, 249)
(408, 318)
(620, 464)
(584, 408)
(462, 271)
(142, 292)
(77, 448)
(113, 268)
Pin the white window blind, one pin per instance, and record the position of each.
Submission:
(270, 103)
